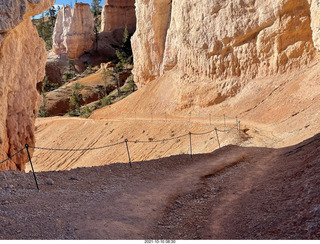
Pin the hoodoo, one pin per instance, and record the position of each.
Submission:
(118, 14)
(22, 64)
(74, 31)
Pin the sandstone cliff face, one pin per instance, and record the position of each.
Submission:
(315, 23)
(118, 14)
(224, 43)
(74, 31)
(22, 65)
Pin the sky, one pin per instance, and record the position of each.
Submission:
(65, 2)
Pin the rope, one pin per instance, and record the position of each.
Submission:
(228, 129)
(115, 144)
(76, 150)
(178, 118)
(137, 141)
(230, 117)
(163, 140)
(12, 156)
(204, 133)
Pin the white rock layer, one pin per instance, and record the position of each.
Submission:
(234, 41)
(74, 31)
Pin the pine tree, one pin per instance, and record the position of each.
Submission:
(52, 14)
(45, 27)
(105, 81)
(124, 52)
(96, 11)
(96, 8)
(76, 97)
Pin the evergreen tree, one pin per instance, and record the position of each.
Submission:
(45, 27)
(124, 52)
(96, 8)
(96, 11)
(76, 97)
(52, 15)
(105, 81)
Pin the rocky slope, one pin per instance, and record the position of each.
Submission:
(22, 65)
(74, 30)
(118, 14)
(93, 88)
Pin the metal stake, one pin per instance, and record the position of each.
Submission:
(126, 141)
(34, 175)
(217, 136)
(190, 144)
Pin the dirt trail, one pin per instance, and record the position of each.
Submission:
(118, 203)
(170, 198)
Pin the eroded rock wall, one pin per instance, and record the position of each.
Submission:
(118, 14)
(230, 41)
(315, 22)
(22, 64)
(74, 31)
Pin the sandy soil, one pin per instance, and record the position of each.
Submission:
(274, 112)
(270, 191)
(231, 193)
(75, 133)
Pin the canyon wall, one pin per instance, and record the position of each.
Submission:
(223, 43)
(74, 31)
(22, 64)
(315, 22)
(118, 14)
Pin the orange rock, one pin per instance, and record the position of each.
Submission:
(221, 40)
(118, 14)
(22, 64)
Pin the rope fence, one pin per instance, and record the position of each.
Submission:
(165, 117)
(126, 142)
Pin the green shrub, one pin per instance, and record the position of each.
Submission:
(105, 101)
(86, 112)
(76, 98)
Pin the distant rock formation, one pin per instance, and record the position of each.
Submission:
(118, 14)
(22, 64)
(74, 31)
(223, 41)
